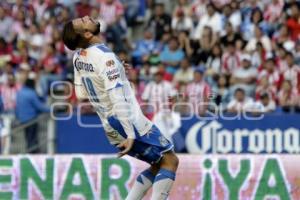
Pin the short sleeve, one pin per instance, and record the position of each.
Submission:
(112, 72)
(77, 80)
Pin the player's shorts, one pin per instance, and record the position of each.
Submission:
(149, 147)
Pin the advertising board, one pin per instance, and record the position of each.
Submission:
(216, 177)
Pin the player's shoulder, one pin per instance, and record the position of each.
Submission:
(99, 48)
(76, 55)
(100, 51)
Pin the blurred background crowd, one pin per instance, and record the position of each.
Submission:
(233, 54)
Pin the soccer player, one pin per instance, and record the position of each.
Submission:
(100, 76)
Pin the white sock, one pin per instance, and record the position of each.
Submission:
(162, 184)
(141, 185)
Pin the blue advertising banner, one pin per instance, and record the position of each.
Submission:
(82, 136)
(270, 134)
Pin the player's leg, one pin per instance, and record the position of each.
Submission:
(156, 150)
(165, 177)
(143, 182)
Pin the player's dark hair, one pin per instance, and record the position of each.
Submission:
(70, 38)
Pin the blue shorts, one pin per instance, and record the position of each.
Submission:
(149, 147)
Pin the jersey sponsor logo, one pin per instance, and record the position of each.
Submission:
(110, 63)
(113, 74)
(79, 65)
(113, 77)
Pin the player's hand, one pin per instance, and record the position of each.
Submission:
(126, 145)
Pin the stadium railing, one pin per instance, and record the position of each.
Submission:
(15, 142)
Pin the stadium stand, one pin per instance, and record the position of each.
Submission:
(237, 55)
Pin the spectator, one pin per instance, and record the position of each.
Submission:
(213, 64)
(184, 6)
(287, 96)
(291, 71)
(6, 51)
(211, 19)
(259, 37)
(28, 107)
(7, 70)
(19, 26)
(245, 77)
(293, 22)
(231, 59)
(198, 9)
(231, 15)
(281, 58)
(185, 44)
(182, 22)
(240, 102)
(273, 12)
(22, 73)
(35, 41)
(160, 21)
(83, 8)
(264, 87)
(169, 122)
(259, 56)
(8, 93)
(267, 102)
(39, 8)
(137, 85)
(185, 73)
(156, 93)
(231, 36)
(198, 92)
(221, 92)
(145, 48)
(249, 25)
(53, 9)
(132, 9)
(50, 72)
(203, 46)
(271, 73)
(145, 73)
(297, 53)
(18, 7)
(112, 12)
(172, 55)
(219, 4)
(282, 37)
(5, 26)
(235, 17)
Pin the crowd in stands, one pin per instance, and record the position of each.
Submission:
(235, 54)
